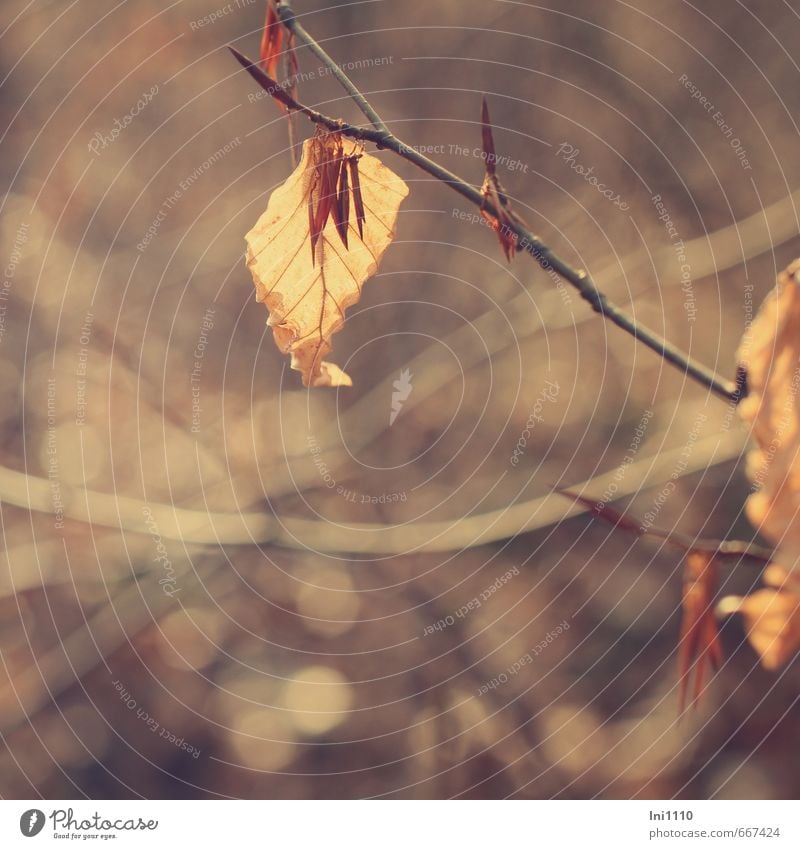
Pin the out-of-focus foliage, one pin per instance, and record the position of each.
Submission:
(770, 355)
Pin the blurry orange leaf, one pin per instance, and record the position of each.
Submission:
(699, 642)
(494, 192)
(770, 353)
(771, 616)
(772, 620)
(769, 356)
(309, 258)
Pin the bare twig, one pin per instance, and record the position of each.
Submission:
(720, 549)
(381, 136)
(287, 16)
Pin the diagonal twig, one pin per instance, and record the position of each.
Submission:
(381, 136)
(720, 549)
(289, 20)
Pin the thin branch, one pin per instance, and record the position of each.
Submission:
(381, 136)
(721, 549)
(289, 20)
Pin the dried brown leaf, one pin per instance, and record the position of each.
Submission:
(358, 201)
(699, 645)
(307, 294)
(341, 208)
(271, 41)
(770, 353)
(771, 616)
(326, 155)
(488, 139)
(769, 357)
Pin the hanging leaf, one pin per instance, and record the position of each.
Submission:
(358, 201)
(309, 258)
(271, 41)
(771, 616)
(770, 354)
(699, 645)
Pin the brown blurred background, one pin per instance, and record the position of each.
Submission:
(229, 586)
